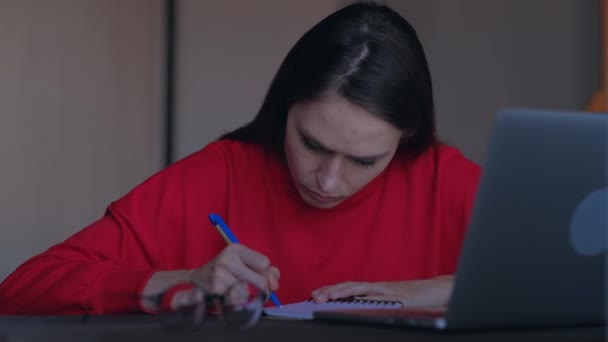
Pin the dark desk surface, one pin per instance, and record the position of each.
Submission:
(148, 328)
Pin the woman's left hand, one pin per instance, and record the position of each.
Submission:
(432, 292)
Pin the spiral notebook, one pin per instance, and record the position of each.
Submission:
(306, 309)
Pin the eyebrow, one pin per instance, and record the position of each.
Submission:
(318, 144)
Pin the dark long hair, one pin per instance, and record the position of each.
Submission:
(368, 54)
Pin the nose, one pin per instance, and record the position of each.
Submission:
(328, 174)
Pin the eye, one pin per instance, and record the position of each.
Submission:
(365, 163)
(311, 146)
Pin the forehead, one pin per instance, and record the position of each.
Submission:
(344, 126)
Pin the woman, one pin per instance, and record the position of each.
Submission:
(337, 188)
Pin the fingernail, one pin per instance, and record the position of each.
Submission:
(320, 298)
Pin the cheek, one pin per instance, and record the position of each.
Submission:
(358, 177)
(302, 163)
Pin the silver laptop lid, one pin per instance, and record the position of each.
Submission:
(536, 246)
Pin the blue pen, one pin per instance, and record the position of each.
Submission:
(226, 233)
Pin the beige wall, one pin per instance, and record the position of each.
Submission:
(484, 55)
(228, 52)
(79, 114)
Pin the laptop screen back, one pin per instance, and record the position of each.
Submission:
(536, 246)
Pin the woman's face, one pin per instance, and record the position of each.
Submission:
(335, 147)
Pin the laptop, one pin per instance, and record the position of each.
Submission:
(534, 254)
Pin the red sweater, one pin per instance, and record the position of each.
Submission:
(408, 223)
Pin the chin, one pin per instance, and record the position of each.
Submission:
(322, 205)
(318, 204)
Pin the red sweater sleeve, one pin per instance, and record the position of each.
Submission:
(104, 267)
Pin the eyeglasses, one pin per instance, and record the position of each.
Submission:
(239, 307)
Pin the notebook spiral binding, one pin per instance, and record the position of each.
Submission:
(362, 301)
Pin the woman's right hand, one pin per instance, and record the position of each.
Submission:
(235, 263)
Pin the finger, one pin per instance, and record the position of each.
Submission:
(355, 289)
(187, 298)
(320, 295)
(344, 290)
(352, 289)
(218, 281)
(259, 264)
(332, 287)
(321, 290)
(254, 260)
(229, 266)
(242, 272)
(272, 277)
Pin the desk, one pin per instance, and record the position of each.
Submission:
(147, 328)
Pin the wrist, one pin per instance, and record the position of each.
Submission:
(160, 282)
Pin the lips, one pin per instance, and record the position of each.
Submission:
(320, 198)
